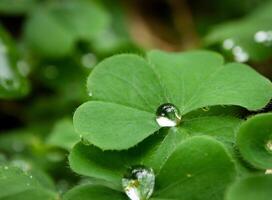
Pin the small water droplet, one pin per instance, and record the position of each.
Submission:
(138, 183)
(206, 108)
(228, 44)
(189, 175)
(90, 94)
(263, 37)
(269, 145)
(88, 60)
(168, 115)
(240, 55)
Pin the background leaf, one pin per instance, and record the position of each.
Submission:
(15, 184)
(194, 167)
(63, 135)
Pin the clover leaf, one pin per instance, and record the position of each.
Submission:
(189, 172)
(254, 140)
(127, 90)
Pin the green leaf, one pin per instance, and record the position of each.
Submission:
(63, 135)
(110, 166)
(12, 83)
(136, 88)
(113, 122)
(251, 188)
(193, 169)
(93, 192)
(53, 28)
(90, 161)
(15, 7)
(15, 184)
(46, 36)
(254, 140)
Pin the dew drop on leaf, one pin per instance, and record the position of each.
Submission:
(269, 145)
(168, 115)
(206, 108)
(138, 182)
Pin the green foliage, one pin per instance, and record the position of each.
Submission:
(251, 188)
(63, 135)
(254, 140)
(170, 77)
(220, 146)
(15, 184)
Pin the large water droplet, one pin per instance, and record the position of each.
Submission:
(138, 183)
(168, 115)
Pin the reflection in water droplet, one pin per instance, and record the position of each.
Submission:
(239, 54)
(168, 115)
(263, 37)
(228, 44)
(269, 145)
(138, 183)
(88, 60)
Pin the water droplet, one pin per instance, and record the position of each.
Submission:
(138, 183)
(228, 44)
(263, 37)
(31, 176)
(206, 108)
(90, 94)
(189, 175)
(22, 164)
(168, 115)
(240, 55)
(269, 145)
(88, 60)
